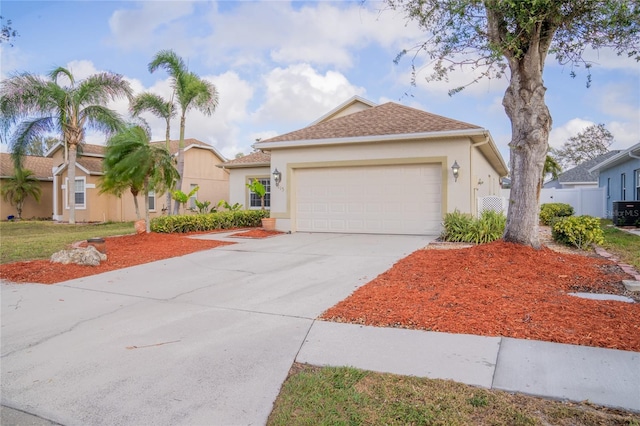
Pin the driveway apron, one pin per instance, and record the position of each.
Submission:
(206, 338)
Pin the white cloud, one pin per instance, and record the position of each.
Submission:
(299, 94)
(560, 135)
(151, 23)
(321, 33)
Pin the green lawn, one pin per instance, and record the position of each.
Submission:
(28, 240)
(347, 396)
(623, 244)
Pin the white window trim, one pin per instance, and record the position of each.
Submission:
(637, 192)
(249, 192)
(66, 195)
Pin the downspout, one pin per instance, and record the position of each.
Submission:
(474, 189)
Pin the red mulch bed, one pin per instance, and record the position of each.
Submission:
(128, 250)
(256, 233)
(499, 289)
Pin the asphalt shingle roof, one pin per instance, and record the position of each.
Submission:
(40, 166)
(580, 173)
(254, 158)
(386, 119)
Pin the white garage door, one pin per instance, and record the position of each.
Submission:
(394, 199)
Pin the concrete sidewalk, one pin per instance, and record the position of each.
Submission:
(209, 338)
(602, 376)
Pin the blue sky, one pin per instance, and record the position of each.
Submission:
(280, 65)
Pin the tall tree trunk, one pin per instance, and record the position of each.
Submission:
(147, 221)
(530, 126)
(135, 202)
(71, 183)
(168, 143)
(180, 160)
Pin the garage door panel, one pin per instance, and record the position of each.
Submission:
(403, 199)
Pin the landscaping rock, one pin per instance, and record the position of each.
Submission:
(141, 226)
(631, 285)
(598, 296)
(80, 256)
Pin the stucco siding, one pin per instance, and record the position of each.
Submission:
(238, 178)
(456, 195)
(31, 208)
(484, 180)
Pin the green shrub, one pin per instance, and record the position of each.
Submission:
(578, 231)
(549, 211)
(461, 227)
(208, 222)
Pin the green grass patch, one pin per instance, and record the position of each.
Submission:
(347, 396)
(30, 240)
(624, 245)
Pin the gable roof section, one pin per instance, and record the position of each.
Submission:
(580, 173)
(255, 159)
(40, 166)
(385, 119)
(352, 105)
(623, 156)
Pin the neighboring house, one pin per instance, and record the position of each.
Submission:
(91, 206)
(41, 167)
(620, 176)
(243, 170)
(579, 176)
(366, 168)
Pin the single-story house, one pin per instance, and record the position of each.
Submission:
(620, 176)
(367, 168)
(41, 168)
(200, 160)
(579, 176)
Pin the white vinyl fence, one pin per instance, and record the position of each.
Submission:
(585, 201)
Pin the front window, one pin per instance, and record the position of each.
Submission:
(638, 185)
(194, 197)
(152, 200)
(254, 200)
(623, 186)
(79, 193)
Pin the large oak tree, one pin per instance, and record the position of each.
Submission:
(513, 38)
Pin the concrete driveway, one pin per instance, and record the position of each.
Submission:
(203, 339)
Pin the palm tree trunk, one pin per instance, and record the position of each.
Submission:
(168, 139)
(147, 221)
(71, 184)
(180, 159)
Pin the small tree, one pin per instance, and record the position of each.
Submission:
(589, 144)
(131, 161)
(551, 167)
(182, 198)
(19, 187)
(259, 189)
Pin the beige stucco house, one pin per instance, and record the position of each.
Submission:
(41, 167)
(366, 168)
(200, 160)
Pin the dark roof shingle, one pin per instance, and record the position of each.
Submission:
(253, 159)
(580, 173)
(40, 166)
(386, 119)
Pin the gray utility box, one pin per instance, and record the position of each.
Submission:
(626, 213)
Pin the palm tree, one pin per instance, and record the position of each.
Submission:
(160, 107)
(42, 106)
(552, 166)
(191, 91)
(131, 161)
(19, 187)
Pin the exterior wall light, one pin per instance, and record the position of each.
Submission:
(456, 170)
(277, 177)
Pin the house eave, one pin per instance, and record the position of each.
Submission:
(631, 152)
(476, 135)
(243, 166)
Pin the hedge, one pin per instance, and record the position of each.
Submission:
(208, 222)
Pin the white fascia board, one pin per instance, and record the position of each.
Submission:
(53, 149)
(368, 139)
(611, 161)
(210, 148)
(243, 166)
